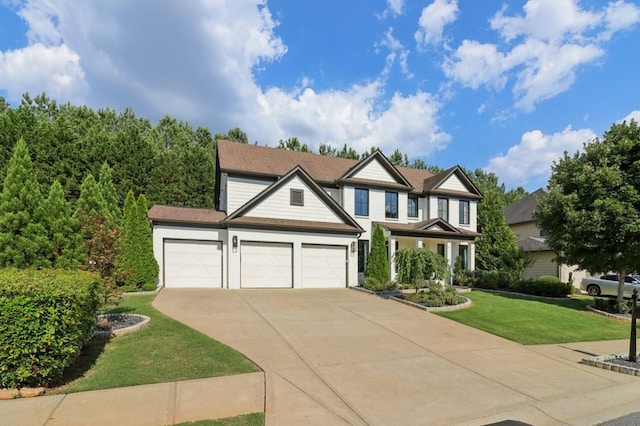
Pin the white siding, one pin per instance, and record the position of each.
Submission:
(374, 171)
(334, 193)
(241, 190)
(278, 205)
(453, 184)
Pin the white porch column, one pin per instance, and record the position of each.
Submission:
(392, 256)
(472, 256)
(449, 253)
(419, 244)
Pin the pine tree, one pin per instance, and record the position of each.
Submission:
(377, 268)
(108, 191)
(91, 201)
(147, 266)
(62, 228)
(23, 237)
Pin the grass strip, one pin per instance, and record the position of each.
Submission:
(253, 419)
(164, 351)
(538, 321)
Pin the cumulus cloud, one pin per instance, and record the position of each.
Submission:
(197, 61)
(394, 8)
(434, 18)
(529, 162)
(633, 115)
(541, 50)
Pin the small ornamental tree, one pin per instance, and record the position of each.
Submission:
(415, 265)
(62, 228)
(377, 267)
(130, 240)
(592, 210)
(23, 237)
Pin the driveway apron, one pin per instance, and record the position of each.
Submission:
(345, 357)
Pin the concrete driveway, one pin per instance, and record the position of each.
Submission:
(345, 357)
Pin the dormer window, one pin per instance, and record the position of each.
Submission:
(296, 197)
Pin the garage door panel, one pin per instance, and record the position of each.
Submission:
(266, 265)
(324, 266)
(190, 263)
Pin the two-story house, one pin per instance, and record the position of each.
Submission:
(520, 218)
(286, 219)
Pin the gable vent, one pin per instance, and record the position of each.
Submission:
(297, 197)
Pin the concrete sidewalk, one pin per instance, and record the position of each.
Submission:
(152, 405)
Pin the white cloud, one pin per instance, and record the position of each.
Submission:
(633, 115)
(394, 8)
(529, 162)
(398, 52)
(434, 18)
(542, 49)
(197, 61)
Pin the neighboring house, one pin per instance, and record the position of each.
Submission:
(519, 217)
(286, 219)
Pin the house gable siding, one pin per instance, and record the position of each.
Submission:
(277, 205)
(240, 190)
(374, 171)
(453, 183)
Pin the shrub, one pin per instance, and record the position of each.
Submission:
(611, 305)
(436, 296)
(46, 317)
(545, 285)
(373, 285)
(415, 265)
(491, 280)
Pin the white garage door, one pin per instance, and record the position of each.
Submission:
(189, 263)
(266, 265)
(324, 266)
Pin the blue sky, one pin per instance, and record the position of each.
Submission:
(506, 86)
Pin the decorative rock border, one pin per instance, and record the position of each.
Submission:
(609, 315)
(465, 304)
(21, 393)
(604, 361)
(125, 330)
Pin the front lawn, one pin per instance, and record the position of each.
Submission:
(164, 351)
(538, 321)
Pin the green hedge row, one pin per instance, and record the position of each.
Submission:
(545, 285)
(46, 316)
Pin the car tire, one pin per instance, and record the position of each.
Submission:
(593, 290)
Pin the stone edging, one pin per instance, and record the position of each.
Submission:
(392, 296)
(524, 295)
(609, 315)
(603, 362)
(125, 330)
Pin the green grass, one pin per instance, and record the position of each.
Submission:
(164, 351)
(253, 419)
(538, 321)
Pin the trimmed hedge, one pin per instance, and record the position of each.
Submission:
(46, 317)
(545, 285)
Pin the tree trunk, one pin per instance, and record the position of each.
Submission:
(621, 274)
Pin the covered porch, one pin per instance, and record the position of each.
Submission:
(436, 235)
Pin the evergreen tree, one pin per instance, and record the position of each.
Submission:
(147, 266)
(90, 201)
(377, 267)
(108, 191)
(23, 237)
(62, 229)
(131, 240)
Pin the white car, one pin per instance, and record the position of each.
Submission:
(607, 285)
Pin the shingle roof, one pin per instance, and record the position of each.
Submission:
(290, 224)
(523, 210)
(421, 229)
(267, 161)
(533, 244)
(159, 213)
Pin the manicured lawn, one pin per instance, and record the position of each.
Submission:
(253, 419)
(538, 321)
(164, 351)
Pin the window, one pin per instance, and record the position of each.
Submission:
(443, 208)
(464, 212)
(543, 232)
(463, 252)
(441, 250)
(296, 197)
(363, 253)
(362, 202)
(391, 205)
(412, 206)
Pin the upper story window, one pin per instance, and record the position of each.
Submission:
(391, 204)
(412, 206)
(464, 212)
(362, 202)
(296, 197)
(443, 208)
